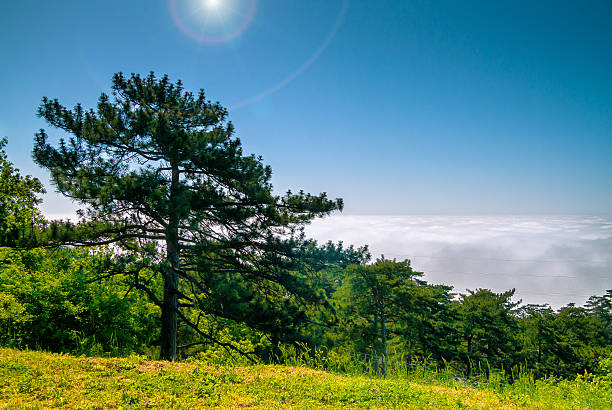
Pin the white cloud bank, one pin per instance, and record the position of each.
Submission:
(548, 259)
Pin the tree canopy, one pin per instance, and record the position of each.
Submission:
(160, 175)
(388, 303)
(19, 197)
(489, 327)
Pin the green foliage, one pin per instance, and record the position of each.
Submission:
(387, 304)
(389, 317)
(50, 300)
(229, 339)
(161, 175)
(570, 341)
(489, 328)
(18, 201)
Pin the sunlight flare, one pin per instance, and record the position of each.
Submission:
(212, 21)
(212, 4)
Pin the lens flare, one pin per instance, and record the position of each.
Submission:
(212, 4)
(305, 66)
(212, 21)
(220, 21)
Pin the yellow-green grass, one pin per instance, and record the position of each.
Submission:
(30, 379)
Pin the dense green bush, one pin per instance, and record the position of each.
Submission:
(51, 300)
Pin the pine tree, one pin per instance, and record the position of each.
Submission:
(371, 294)
(160, 174)
(489, 328)
(388, 303)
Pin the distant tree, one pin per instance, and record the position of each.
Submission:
(19, 198)
(489, 327)
(567, 342)
(582, 337)
(368, 293)
(427, 322)
(537, 330)
(600, 308)
(161, 175)
(388, 302)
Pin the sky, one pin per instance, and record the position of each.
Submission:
(402, 108)
(396, 106)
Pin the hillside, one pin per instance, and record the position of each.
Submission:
(42, 380)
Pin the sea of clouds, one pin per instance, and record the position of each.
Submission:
(547, 259)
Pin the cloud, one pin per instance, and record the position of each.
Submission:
(63, 216)
(548, 259)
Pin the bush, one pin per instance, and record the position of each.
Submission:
(50, 300)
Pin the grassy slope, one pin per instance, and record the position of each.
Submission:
(35, 379)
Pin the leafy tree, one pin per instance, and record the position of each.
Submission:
(387, 302)
(581, 337)
(536, 324)
(427, 322)
(369, 293)
(489, 327)
(161, 176)
(567, 342)
(49, 300)
(600, 308)
(18, 201)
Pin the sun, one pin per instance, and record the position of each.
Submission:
(212, 4)
(212, 21)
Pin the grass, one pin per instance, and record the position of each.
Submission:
(30, 379)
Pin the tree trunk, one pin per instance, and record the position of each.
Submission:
(384, 340)
(375, 344)
(170, 302)
(469, 356)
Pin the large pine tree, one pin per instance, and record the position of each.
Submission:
(160, 174)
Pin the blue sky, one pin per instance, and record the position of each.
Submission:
(399, 107)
